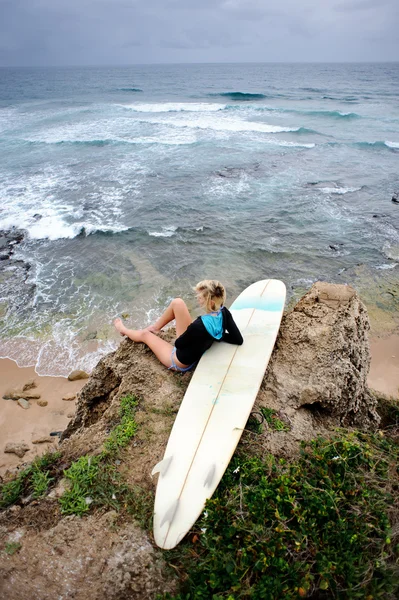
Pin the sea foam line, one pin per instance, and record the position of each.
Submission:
(174, 107)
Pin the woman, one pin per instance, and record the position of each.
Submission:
(193, 337)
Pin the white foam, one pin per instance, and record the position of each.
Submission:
(166, 232)
(174, 107)
(390, 251)
(339, 190)
(392, 144)
(220, 124)
(385, 267)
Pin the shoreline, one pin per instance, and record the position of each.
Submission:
(25, 425)
(20, 425)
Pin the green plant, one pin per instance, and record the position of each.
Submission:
(34, 479)
(272, 420)
(40, 481)
(318, 526)
(12, 547)
(121, 435)
(95, 480)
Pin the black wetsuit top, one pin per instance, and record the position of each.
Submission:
(191, 345)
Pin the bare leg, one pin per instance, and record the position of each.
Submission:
(177, 310)
(161, 348)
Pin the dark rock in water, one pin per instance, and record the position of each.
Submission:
(395, 199)
(4, 257)
(335, 247)
(37, 217)
(91, 336)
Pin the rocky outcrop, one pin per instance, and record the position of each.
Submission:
(317, 375)
(321, 359)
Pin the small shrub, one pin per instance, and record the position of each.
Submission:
(272, 420)
(12, 547)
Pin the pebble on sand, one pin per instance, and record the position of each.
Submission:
(46, 439)
(18, 448)
(29, 385)
(75, 375)
(16, 394)
(42, 402)
(23, 403)
(69, 397)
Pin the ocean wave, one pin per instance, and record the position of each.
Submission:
(175, 107)
(378, 144)
(233, 125)
(387, 267)
(108, 142)
(240, 96)
(165, 232)
(129, 89)
(339, 190)
(391, 251)
(334, 114)
(54, 228)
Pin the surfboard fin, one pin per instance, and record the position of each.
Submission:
(210, 477)
(170, 513)
(162, 466)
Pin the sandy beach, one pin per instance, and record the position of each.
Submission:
(26, 425)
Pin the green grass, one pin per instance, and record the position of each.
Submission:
(121, 435)
(256, 421)
(318, 527)
(94, 480)
(272, 420)
(35, 480)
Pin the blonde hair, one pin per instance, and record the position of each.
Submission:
(213, 293)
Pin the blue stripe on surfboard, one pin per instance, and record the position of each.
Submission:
(258, 303)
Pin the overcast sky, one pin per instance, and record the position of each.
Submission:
(106, 32)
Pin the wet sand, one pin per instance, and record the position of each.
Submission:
(25, 425)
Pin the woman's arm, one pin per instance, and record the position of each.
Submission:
(233, 334)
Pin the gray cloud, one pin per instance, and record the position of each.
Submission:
(61, 32)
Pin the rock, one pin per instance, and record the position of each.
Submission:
(70, 415)
(43, 440)
(42, 402)
(75, 375)
(91, 336)
(322, 357)
(61, 488)
(23, 403)
(29, 385)
(69, 397)
(16, 394)
(4, 256)
(18, 448)
(395, 199)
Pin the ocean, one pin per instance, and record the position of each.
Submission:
(130, 184)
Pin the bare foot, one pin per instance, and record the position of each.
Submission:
(152, 329)
(119, 326)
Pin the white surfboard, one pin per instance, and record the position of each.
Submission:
(214, 411)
